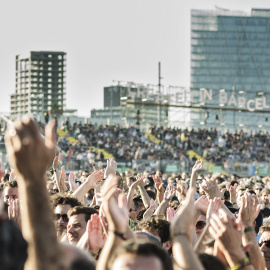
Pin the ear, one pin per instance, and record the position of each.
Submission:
(167, 245)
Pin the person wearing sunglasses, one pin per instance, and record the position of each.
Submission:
(200, 224)
(264, 242)
(61, 204)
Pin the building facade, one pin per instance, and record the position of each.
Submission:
(40, 84)
(133, 104)
(230, 69)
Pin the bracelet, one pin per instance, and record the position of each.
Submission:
(249, 229)
(121, 235)
(244, 262)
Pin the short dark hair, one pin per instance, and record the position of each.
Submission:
(87, 211)
(12, 256)
(143, 248)
(11, 184)
(155, 224)
(60, 199)
(211, 262)
(5, 178)
(149, 236)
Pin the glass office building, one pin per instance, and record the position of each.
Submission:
(230, 69)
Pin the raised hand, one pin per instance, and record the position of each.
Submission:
(233, 193)
(198, 166)
(151, 209)
(55, 163)
(227, 233)
(139, 181)
(210, 187)
(185, 217)
(202, 205)
(95, 178)
(213, 208)
(158, 183)
(63, 178)
(71, 180)
(115, 212)
(170, 214)
(14, 212)
(181, 188)
(23, 140)
(109, 184)
(249, 210)
(96, 237)
(169, 193)
(111, 167)
(103, 220)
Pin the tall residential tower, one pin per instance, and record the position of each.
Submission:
(40, 84)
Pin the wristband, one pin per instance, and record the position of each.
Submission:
(244, 262)
(249, 229)
(121, 235)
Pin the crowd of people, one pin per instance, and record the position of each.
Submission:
(100, 219)
(218, 147)
(131, 144)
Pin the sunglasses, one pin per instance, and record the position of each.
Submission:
(267, 243)
(130, 210)
(64, 217)
(55, 190)
(200, 225)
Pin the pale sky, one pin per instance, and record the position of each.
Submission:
(105, 40)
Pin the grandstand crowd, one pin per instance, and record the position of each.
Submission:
(101, 219)
(131, 144)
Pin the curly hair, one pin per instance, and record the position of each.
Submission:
(155, 225)
(60, 199)
(87, 211)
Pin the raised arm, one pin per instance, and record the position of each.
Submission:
(212, 191)
(169, 193)
(227, 234)
(59, 176)
(197, 167)
(249, 211)
(132, 190)
(30, 157)
(117, 217)
(182, 228)
(159, 188)
(92, 181)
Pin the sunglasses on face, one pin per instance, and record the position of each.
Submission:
(55, 190)
(267, 243)
(200, 225)
(64, 217)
